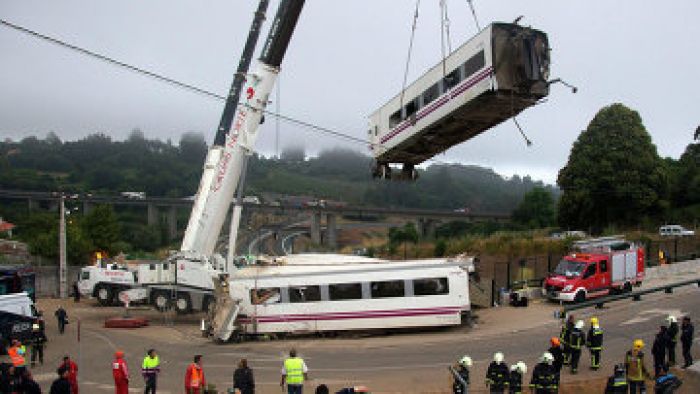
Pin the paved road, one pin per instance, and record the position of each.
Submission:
(409, 362)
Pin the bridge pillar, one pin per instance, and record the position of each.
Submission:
(86, 208)
(152, 215)
(31, 204)
(331, 231)
(316, 227)
(172, 223)
(427, 227)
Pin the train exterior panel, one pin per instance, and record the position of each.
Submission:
(492, 77)
(350, 296)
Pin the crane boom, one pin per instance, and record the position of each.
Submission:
(225, 164)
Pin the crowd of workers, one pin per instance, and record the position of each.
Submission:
(630, 376)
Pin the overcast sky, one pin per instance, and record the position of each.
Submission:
(345, 60)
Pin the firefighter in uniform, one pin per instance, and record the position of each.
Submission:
(463, 370)
(497, 374)
(636, 370)
(543, 376)
(515, 379)
(566, 329)
(617, 384)
(672, 332)
(576, 341)
(594, 342)
(687, 341)
(556, 352)
(120, 373)
(38, 342)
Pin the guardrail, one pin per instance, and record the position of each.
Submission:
(455, 374)
(635, 295)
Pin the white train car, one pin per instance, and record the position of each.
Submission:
(338, 293)
(489, 79)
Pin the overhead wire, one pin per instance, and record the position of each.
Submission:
(410, 50)
(196, 89)
(476, 20)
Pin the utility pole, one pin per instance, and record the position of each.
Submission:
(62, 249)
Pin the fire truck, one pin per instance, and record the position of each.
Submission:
(596, 267)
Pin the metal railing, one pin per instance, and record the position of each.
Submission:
(455, 374)
(635, 295)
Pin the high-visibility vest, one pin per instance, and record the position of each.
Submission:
(294, 368)
(635, 367)
(16, 354)
(196, 377)
(151, 365)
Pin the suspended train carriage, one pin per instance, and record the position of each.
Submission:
(492, 77)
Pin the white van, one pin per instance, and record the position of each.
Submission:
(677, 230)
(18, 304)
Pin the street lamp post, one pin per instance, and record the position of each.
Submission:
(62, 289)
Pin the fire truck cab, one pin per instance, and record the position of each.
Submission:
(597, 267)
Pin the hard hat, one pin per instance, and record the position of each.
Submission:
(594, 321)
(555, 341)
(498, 357)
(671, 319)
(579, 324)
(522, 367)
(638, 344)
(547, 358)
(466, 361)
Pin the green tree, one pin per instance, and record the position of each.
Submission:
(100, 225)
(536, 210)
(440, 247)
(614, 175)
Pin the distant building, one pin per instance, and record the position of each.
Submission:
(6, 228)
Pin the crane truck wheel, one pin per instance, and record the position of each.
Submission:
(183, 304)
(161, 301)
(104, 295)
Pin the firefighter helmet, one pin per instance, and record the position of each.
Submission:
(555, 341)
(547, 358)
(579, 324)
(638, 344)
(498, 357)
(466, 361)
(594, 321)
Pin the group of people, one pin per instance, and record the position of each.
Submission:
(566, 350)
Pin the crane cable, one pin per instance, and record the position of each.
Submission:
(193, 88)
(476, 20)
(410, 50)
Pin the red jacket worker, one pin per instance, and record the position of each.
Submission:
(120, 372)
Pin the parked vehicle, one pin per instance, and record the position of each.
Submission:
(597, 267)
(134, 195)
(675, 230)
(17, 279)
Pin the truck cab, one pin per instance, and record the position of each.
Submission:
(600, 269)
(105, 281)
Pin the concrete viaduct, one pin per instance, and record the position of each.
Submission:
(426, 219)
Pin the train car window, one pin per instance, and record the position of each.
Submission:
(345, 291)
(394, 288)
(165, 266)
(395, 119)
(152, 267)
(430, 286)
(411, 108)
(452, 79)
(431, 94)
(474, 64)
(304, 294)
(265, 296)
(85, 275)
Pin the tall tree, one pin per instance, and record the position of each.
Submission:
(536, 210)
(102, 227)
(614, 175)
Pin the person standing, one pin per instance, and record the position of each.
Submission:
(576, 341)
(29, 385)
(463, 371)
(673, 333)
(636, 370)
(150, 370)
(594, 342)
(76, 292)
(515, 378)
(687, 341)
(497, 374)
(194, 377)
(543, 379)
(61, 385)
(38, 342)
(294, 373)
(62, 318)
(566, 329)
(120, 373)
(658, 350)
(243, 379)
(617, 383)
(17, 353)
(72, 370)
(558, 354)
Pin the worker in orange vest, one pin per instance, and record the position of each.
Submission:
(120, 372)
(16, 353)
(194, 377)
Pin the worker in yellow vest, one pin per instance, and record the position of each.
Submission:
(294, 372)
(17, 353)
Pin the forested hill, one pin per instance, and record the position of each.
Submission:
(98, 164)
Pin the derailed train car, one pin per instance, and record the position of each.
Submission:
(494, 76)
